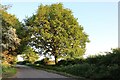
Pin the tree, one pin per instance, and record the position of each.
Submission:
(23, 34)
(29, 55)
(9, 39)
(57, 32)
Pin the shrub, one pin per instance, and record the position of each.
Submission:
(23, 62)
(43, 61)
(70, 62)
(108, 59)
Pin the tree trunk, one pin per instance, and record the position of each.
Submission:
(56, 61)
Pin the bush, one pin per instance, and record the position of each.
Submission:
(92, 71)
(62, 62)
(38, 62)
(108, 59)
(43, 61)
(23, 62)
(70, 62)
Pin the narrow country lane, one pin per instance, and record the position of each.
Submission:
(28, 72)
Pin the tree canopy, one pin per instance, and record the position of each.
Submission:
(30, 55)
(9, 39)
(10, 23)
(57, 32)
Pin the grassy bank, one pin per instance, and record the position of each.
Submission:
(8, 72)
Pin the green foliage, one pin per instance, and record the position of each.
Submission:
(9, 25)
(9, 20)
(70, 62)
(108, 59)
(91, 71)
(24, 35)
(45, 60)
(10, 40)
(23, 62)
(8, 71)
(42, 62)
(30, 55)
(57, 32)
(39, 62)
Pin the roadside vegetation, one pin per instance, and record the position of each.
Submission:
(9, 43)
(8, 72)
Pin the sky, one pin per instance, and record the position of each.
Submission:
(99, 19)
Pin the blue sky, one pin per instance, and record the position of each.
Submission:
(99, 19)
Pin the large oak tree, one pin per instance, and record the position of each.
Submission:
(57, 32)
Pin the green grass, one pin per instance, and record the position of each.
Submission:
(8, 72)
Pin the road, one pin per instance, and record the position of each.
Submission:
(28, 72)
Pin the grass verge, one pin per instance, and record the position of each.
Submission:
(8, 72)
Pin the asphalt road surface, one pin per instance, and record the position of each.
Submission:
(28, 72)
